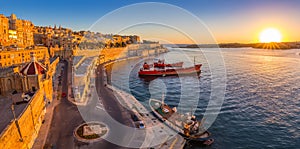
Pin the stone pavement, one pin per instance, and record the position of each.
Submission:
(155, 130)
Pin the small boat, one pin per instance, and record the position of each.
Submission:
(147, 71)
(186, 125)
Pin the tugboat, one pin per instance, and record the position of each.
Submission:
(147, 70)
(186, 125)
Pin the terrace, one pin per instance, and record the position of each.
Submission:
(6, 112)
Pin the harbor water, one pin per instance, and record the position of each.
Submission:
(261, 107)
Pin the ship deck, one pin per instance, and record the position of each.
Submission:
(171, 116)
(177, 119)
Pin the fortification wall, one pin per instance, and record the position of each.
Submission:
(29, 121)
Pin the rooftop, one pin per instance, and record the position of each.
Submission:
(76, 59)
(52, 59)
(33, 68)
(6, 112)
(7, 70)
(82, 68)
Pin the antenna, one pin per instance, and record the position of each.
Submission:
(163, 98)
(194, 61)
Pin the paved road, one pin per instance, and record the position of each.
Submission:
(68, 116)
(65, 118)
(127, 137)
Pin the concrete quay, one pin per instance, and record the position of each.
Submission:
(158, 135)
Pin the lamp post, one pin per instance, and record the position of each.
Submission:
(16, 122)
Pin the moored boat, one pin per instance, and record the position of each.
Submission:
(185, 125)
(147, 71)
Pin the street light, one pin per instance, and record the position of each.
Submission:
(16, 122)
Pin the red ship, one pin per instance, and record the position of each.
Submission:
(147, 71)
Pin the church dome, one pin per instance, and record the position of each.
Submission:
(33, 68)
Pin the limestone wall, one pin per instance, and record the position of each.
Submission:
(113, 53)
(108, 54)
(29, 121)
(86, 53)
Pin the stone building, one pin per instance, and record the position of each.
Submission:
(30, 77)
(4, 26)
(35, 77)
(34, 72)
(10, 80)
(134, 39)
(18, 57)
(83, 68)
(24, 30)
(14, 31)
(120, 40)
(56, 37)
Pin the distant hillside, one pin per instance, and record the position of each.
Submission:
(282, 45)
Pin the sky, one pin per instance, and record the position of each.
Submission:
(173, 21)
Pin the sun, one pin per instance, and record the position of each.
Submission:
(270, 35)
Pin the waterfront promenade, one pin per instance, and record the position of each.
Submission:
(63, 116)
(158, 135)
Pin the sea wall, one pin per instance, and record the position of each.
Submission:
(81, 77)
(109, 54)
(86, 53)
(133, 50)
(145, 50)
(29, 121)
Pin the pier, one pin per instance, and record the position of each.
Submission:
(156, 131)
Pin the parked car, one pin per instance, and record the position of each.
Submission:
(29, 93)
(134, 117)
(26, 97)
(63, 95)
(141, 125)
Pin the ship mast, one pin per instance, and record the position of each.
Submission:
(163, 98)
(194, 61)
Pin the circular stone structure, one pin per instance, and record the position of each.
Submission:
(90, 131)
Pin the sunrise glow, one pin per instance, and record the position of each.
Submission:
(270, 35)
